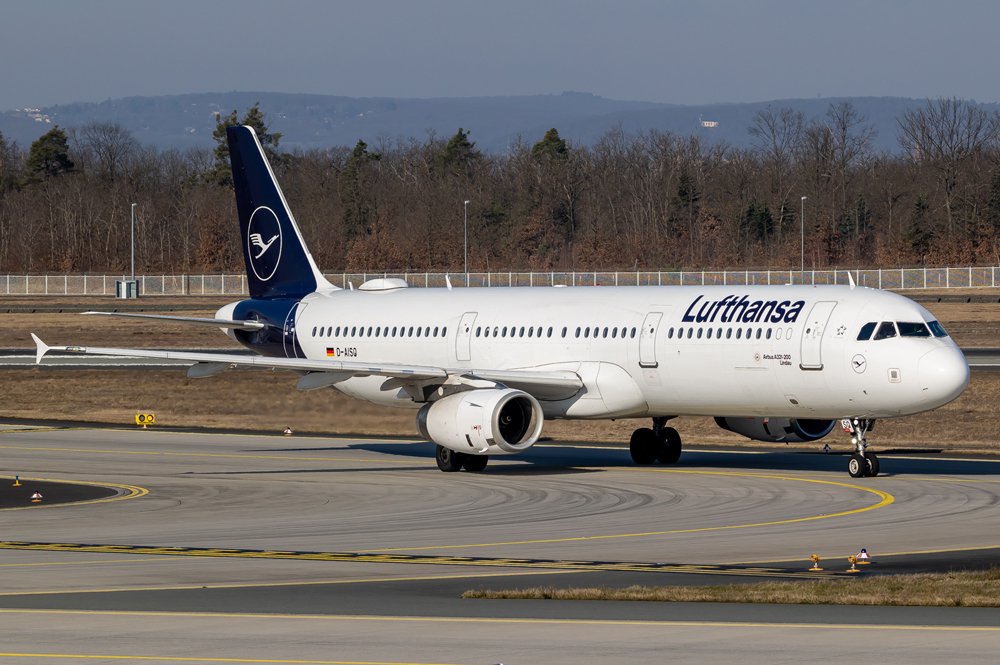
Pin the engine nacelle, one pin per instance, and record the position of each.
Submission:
(788, 430)
(490, 421)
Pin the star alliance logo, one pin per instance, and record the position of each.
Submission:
(263, 224)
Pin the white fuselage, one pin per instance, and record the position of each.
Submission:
(777, 351)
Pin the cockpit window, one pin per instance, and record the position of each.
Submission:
(886, 330)
(907, 329)
(866, 331)
(937, 329)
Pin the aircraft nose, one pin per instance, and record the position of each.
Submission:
(944, 374)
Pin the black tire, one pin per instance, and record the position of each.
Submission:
(669, 446)
(857, 466)
(643, 446)
(475, 463)
(872, 460)
(448, 460)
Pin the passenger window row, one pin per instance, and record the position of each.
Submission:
(888, 329)
(380, 331)
(698, 332)
(586, 332)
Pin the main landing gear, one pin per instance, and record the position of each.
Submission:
(449, 460)
(862, 463)
(661, 443)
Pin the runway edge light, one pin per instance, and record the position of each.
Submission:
(863, 558)
(36, 497)
(17, 481)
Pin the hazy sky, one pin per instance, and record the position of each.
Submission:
(59, 51)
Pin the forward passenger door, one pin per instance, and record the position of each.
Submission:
(812, 335)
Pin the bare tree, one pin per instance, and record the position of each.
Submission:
(111, 145)
(777, 136)
(944, 134)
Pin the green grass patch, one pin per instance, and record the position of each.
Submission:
(953, 589)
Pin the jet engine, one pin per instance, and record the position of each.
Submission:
(492, 421)
(789, 430)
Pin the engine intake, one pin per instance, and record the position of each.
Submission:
(789, 430)
(486, 421)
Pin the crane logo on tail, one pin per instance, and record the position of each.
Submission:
(262, 258)
(257, 240)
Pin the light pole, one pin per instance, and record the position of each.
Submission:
(802, 238)
(466, 226)
(133, 242)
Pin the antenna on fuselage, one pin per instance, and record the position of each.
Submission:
(447, 282)
(850, 278)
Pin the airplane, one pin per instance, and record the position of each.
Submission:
(485, 367)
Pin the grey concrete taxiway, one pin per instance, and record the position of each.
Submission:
(298, 549)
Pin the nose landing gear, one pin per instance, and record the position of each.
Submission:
(862, 463)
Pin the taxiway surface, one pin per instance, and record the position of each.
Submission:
(291, 549)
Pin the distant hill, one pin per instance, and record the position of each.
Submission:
(319, 121)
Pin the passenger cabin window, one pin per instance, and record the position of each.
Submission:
(885, 331)
(937, 329)
(912, 329)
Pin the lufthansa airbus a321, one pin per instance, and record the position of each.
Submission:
(485, 367)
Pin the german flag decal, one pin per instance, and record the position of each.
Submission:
(330, 353)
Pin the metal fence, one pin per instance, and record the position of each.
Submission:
(177, 285)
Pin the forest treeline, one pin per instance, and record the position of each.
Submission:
(648, 201)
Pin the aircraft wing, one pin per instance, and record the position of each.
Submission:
(218, 323)
(543, 385)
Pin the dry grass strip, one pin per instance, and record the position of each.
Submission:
(953, 589)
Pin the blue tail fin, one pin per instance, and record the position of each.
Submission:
(278, 263)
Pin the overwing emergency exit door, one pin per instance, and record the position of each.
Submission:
(463, 340)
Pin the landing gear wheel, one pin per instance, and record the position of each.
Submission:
(475, 463)
(872, 467)
(643, 446)
(668, 449)
(448, 460)
(857, 466)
